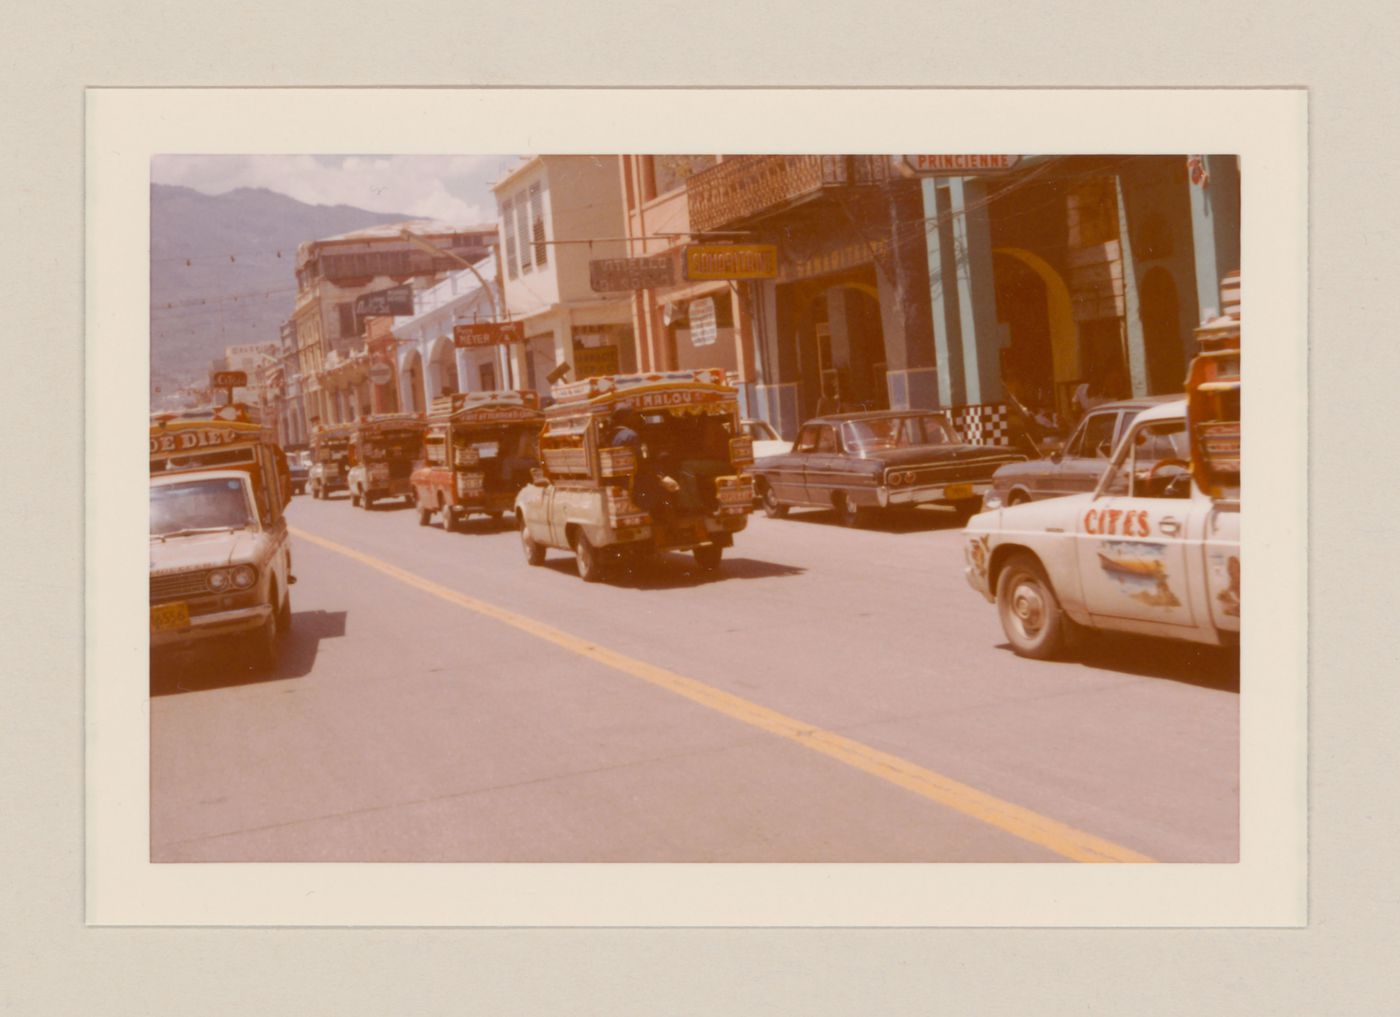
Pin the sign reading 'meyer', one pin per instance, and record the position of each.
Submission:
(487, 333)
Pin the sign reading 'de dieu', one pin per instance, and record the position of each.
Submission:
(228, 379)
(606, 275)
(487, 333)
(730, 261)
(960, 165)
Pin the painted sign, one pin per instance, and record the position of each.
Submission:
(381, 373)
(730, 261)
(607, 275)
(960, 165)
(668, 398)
(703, 330)
(189, 439)
(396, 300)
(495, 415)
(487, 333)
(228, 379)
(592, 361)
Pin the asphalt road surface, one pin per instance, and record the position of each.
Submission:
(828, 695)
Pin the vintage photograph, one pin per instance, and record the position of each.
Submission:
(695, 508)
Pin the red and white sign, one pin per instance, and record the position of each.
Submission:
(381, 373)
(487, 333)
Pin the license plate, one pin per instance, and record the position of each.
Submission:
(956, 492)
(170, 616)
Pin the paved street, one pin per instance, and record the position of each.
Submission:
(829, 695)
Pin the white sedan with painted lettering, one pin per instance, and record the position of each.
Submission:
(1147, 552)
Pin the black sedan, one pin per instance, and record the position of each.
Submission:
(1077, 467)
(863, 463)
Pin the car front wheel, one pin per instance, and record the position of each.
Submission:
(1031, 615)
(534, 553)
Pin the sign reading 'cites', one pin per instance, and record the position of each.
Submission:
(730, 261)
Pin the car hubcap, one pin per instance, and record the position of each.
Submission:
(1028, 608)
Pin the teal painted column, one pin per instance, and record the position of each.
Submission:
(976, 293)
(942, 271)
(1215, 229)
(1132, 305)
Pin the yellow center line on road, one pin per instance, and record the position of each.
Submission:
(1051, 834)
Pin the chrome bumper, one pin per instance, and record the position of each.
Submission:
(930, 493)
(978, 582)
(208, 626)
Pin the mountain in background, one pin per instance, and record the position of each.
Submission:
(237, 253)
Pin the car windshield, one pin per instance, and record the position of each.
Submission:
(896, 432)
(760, 430)
(199, 505)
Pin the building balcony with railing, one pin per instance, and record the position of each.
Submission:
(746, 187)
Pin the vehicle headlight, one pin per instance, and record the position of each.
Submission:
(896, 478)
(218, 580)
(909, 476)
(991, 500)
(244, 576)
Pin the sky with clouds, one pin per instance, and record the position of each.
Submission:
(452, 188)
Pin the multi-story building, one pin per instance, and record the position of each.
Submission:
(427, 362)
(331, 273)
(556, 213)
(904, 290)
(658, 226)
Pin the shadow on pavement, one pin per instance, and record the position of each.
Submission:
(223, 664)
(1208, 667)
(674, 570)
(900, 521)
(394, 505)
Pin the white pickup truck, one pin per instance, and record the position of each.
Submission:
(1148, 551)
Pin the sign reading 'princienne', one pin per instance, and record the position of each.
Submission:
(958, 165)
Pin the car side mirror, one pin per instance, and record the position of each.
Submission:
(537, 477)
(1056, 456)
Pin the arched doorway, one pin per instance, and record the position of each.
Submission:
(411, 382)
(1033, 301)
(442, 368)
(1161, 332)
(841, 345)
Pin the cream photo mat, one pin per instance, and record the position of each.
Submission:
(1267, 129)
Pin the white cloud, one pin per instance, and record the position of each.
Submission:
(454, 188)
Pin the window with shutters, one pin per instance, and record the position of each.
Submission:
(346, 311)
(508, 218)
(537, 225)
(522, 227)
